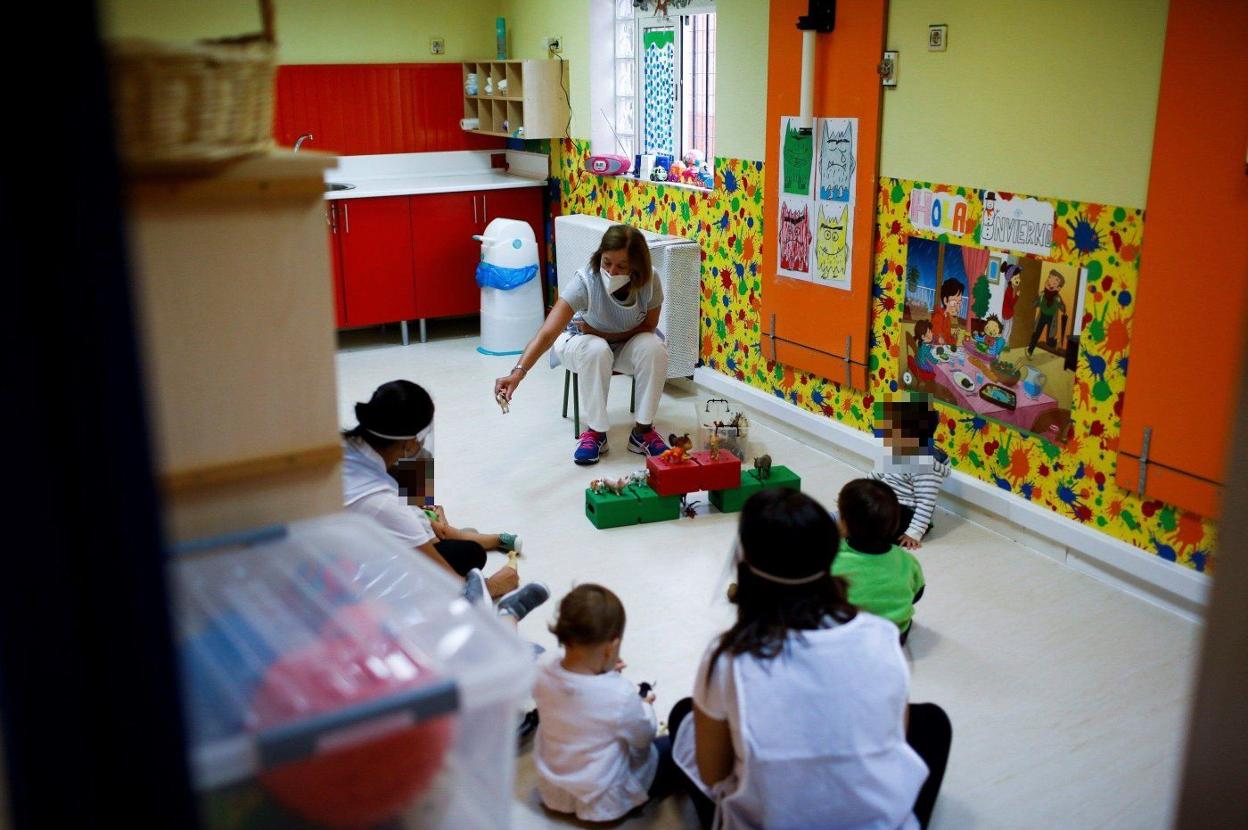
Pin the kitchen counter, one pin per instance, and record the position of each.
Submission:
(411, 174)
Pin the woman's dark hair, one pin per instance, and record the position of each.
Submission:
(785, 534)
(1010, 270)
(633, 242)
(870, 511)
(590, 614)
(399, 407)
(949, 289)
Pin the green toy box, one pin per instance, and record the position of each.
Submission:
(731, 501)
(780, 476)
(655, 508)
(606, 510)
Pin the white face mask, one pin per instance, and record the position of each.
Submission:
(614, 283)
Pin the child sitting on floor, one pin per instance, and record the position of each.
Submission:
(883, 577)
(596, 751)
(913, 468)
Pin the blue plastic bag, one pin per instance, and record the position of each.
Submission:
(492, 276)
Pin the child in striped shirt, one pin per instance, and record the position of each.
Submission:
(914, 468)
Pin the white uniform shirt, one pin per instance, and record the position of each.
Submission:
(369, 490)
(817, 733)
(594, 750)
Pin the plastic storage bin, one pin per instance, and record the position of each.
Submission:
(333, 679)
(511, 291)
(726, 421)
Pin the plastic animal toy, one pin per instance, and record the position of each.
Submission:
(689, 508)
(679, 450)
(602, 486)
(503, 403)
(763, 464)
(640, 477)
(715, 447)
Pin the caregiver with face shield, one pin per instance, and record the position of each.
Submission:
(607, 320)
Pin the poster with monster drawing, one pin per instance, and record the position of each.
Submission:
(834, 242)
(794, 237)
(797, 153)
(838, 156)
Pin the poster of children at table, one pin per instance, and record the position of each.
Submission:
(815, 228)
(993, 331)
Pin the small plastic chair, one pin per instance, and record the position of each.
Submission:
(570, 377)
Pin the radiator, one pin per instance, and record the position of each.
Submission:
(678, 264)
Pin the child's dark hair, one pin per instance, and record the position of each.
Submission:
(399, 407)
(632, 241)
(992, 318)
(870, 511)
(921, 328)
(588, 615)
(1010, 270)
(784, 578)
(916, 419)
(950, 289)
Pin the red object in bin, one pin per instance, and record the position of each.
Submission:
(673, 478)
(722, 474)
(361, 784)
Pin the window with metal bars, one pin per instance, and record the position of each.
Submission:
(665, 82)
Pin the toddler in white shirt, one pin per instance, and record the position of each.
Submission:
(596, 751)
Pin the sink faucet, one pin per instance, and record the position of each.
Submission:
(299, 141)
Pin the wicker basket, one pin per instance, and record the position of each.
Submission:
(183, 106)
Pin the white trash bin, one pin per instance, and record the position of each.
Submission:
(511, 287)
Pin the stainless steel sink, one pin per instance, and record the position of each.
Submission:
(330, 187)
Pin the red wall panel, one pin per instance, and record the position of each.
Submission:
(359, 109)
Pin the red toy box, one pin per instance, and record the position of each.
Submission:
(669, 478)
(721, 474)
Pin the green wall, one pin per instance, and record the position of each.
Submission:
(1056, 97)
(321, 31)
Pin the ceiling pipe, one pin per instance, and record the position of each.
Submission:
(820, 18)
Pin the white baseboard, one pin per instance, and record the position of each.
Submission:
(1177, 589)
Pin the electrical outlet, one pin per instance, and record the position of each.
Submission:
(554, 45)
(437, 46)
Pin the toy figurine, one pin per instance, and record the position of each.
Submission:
(680, 448)
(763, 464)
(503, 404)
(602, 486)
(640, 477)
(689, 508)
(489, 85)
(715, 447)
(659, 174)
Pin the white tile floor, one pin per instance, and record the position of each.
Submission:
(1068, 698)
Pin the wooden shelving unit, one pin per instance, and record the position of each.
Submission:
(534, 100)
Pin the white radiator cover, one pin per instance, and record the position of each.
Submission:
(678, 264)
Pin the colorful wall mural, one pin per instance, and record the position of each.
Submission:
(1074, 479)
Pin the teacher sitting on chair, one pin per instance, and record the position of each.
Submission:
(606, 320)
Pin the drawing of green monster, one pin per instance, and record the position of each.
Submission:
(831, 244)
(799, 151)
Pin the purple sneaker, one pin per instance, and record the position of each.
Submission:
(590, 447)
(651, 443)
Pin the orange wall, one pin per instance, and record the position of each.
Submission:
(1190, 319)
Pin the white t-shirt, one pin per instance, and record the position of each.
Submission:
(371, 491)
(818, 732)
(594, 750)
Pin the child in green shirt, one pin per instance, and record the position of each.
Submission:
(884, 578)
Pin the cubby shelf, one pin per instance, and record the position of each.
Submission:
(535, 105)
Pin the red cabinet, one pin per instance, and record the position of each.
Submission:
(414, 257)
(375, 244)
(444, 254)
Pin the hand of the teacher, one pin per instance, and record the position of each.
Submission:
(507, 386)
(586, 328)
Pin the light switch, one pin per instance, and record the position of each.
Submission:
(888, 69)
(437, 46)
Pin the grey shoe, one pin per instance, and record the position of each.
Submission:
(521, 601)
(475, 589)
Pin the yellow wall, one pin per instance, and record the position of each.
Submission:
(321, 31)
(741, 70)
(1055, 97)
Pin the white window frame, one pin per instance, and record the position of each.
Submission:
(606, 19)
